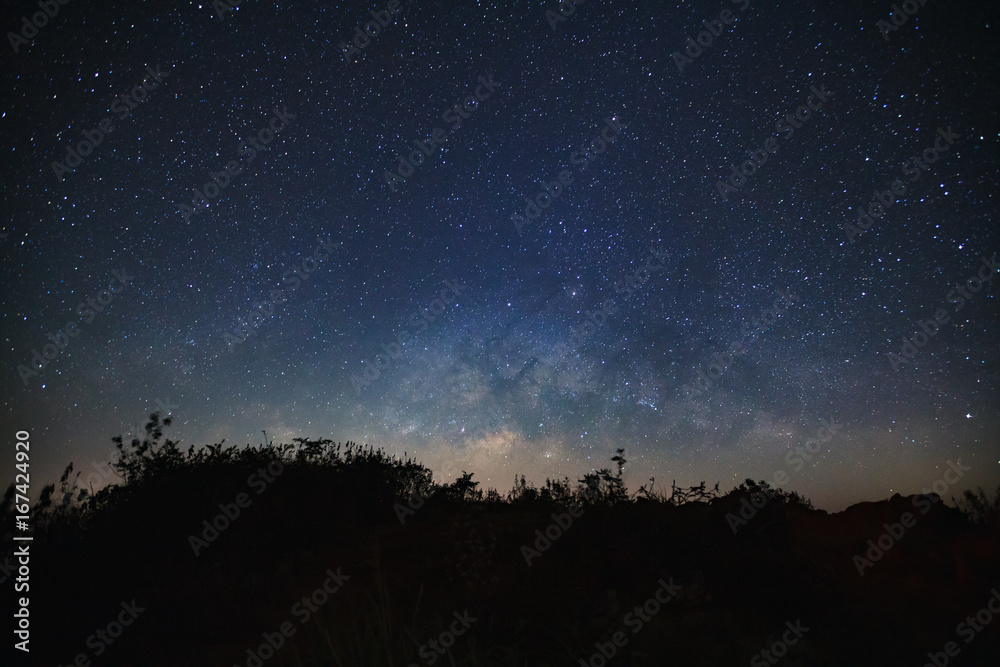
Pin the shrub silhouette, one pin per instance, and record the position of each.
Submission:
(749, 488)
(978, 509)
(333, 504)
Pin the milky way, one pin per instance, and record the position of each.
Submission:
(510, 240)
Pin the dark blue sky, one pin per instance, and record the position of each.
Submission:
(255, 312)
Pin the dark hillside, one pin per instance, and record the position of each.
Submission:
(550, 576)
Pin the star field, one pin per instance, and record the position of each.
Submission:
(266, 308)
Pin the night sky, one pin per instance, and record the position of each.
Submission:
(250, 238)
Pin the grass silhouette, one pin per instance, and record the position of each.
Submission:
(417, 553)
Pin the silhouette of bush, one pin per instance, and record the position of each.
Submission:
(361, 482)
(749, 488)
(601, 488)
(556, 491)
(978, 509)
(159, 480)
(692, 494)
(461, 490)
(523, 493)
(129, 540)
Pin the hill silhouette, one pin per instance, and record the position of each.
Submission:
(317, 553)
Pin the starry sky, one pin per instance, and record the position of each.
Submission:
(563, 233)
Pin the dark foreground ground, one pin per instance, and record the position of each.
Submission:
(323, 567)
